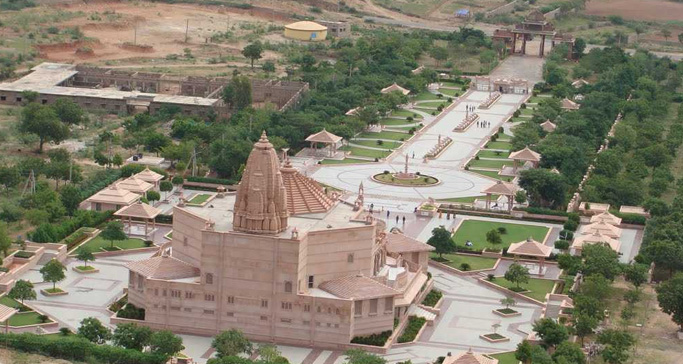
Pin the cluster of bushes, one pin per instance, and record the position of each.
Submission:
(412, 329)
(218, 181)
(164, 219)
(76, 348)
(372, 340)
(52, 233)
(432, 298)
(100, 180)
(132, 312)
(116, 306)
(573, 221)
(23, 254)
(630, 218)
(542, 211)
(76, 237)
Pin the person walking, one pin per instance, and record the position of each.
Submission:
(388, 212)
(404, 221)
(396, 219)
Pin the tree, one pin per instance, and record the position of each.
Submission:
(93, 330)
(508, 301)
(154, 142)
(636, 274)
(639, 29)
(53, 271)
(517, 274)
(177, 180)
(670, 297)
(268, 352)
(70, 195)
(358, 356)
(584, 325)
(113, 231)
(680, 38)
(69, 112)
(616, 345)
(5, 240)
(166, 343)
(550, 332)
(268, 66)
(493, 237)
(596, 286)
(237, 93)
(540, 356)
(165, 186)
(666, 33)
(132, 336)
(43, 121)
(520, 197)
(523, 352)
(84, 254)
(22, 290)
(9, 177)
(253, 51)
(571, 352)
(439, 54)
(441, 241)
(601, 259)
(544, 188)
(153, 196)
(117, 160)
(665, 254)
(231, 343)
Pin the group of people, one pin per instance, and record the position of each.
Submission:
(470, 108)
(483, 124)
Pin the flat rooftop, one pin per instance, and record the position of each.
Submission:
(47, 77)
(220, 211)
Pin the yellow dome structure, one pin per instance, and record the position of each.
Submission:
(307, 31)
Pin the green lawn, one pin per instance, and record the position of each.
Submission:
(25, 319)
(373, 143)
(199, 199)
(390, 121)
(343, 161)
(537, 99)
(428, 111)
(505, 358)
(475, 262)
(9, 302)
(443, 103)
(483, 163)
(97, 242)
(499, 145)
(492, 174)
(452, 84)
(406, 113)
(475, 231)
(425, 95)
(492, 154)
(450, 92)
(537, 288)
(527, 111)
(385, 135)
(364, 152)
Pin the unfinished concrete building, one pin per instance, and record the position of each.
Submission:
(129, 92)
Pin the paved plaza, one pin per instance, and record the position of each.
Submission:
(448, 167)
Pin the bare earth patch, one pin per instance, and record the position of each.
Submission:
(658, 10)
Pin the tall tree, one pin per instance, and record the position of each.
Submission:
(70, 195)
(22, 290)
(550, 332)
(131, 336)
(43, 121)
(601, 259)
(584, 326)
(113, 231)
(231, 343)
(93, 330)
(68, 111)
(358, 356)
(253, 51)
(570, 352)
(84, 254)
(636, 274)
(5, 240)
(544, 188)
(441, 241)
(517, 274)
(670, 297)
(237, 93)
(616, 344)
(165, 342)
(53, 271)
(523, 352)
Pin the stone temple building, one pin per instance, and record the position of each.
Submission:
(281, 260)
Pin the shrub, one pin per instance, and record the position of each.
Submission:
(43, 318)
(131, 312)
(571, 225)
(432, 298)
(148, 243)
(562, 245)
(64, 331)
(23, 254)
(465, 267)
(372, 340)
(567, 234)
(52, 233)
(490, 277)
(412, 329)
(502, 230)
(218, 181)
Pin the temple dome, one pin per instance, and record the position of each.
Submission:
(261, 205)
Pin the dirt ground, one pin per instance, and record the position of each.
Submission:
(658, 10)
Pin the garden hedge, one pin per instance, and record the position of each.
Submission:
(219, 181)
(53, 233)
(412, 329)
(372, 340)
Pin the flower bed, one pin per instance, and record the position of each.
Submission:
(372, 340)
(23, 254)
(84, 269)
(412, 329)
(506, 312)
(494, 338)
(432, 298)
(77, 237)
(53, 292)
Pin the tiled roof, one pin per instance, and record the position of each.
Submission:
(530, 247)
(602, 227)
(115, 196)
(6, 312)
(569, 104)
(595, 238)
(134, 184)
(548, 126)
(400, 243)
(324, 136)
(502, 188)
(525, 154)
(606, 217)
(357, 288)
(139, 210)
(395, 87)
(163, 267)
(149, 175)
(303, 194)
(470, 358)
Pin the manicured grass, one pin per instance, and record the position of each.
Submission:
(373, 143)
(483, 163)
(537, 99)
(392, 135)
(406, 113)
(428, 111)
(506, 311)
(443, 103)
(10, 302)
(364, 152)
(475, 231)
(492, 174)
(505, 358)
(425, 95)
(97, 242)
(475, 262)
(422, 180)
(54, 290)
(527, 111)
(492, 154)
(493, 336)
(468, 199)
(343, 161)
(25, 319)
(390, 121)
(452, 84)
(537, 288)
(199, 199)
(499, 145)
(82, 267)
(450, 92)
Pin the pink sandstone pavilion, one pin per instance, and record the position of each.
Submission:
(283, 262)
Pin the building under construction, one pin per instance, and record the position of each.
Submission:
(129, 92)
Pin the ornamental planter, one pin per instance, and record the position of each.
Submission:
(499, 312)
(51, 294)
(85, 271)
(494, 338)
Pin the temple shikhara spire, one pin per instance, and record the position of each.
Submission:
(261, 206)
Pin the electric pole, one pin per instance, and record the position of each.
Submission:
(187, 28)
